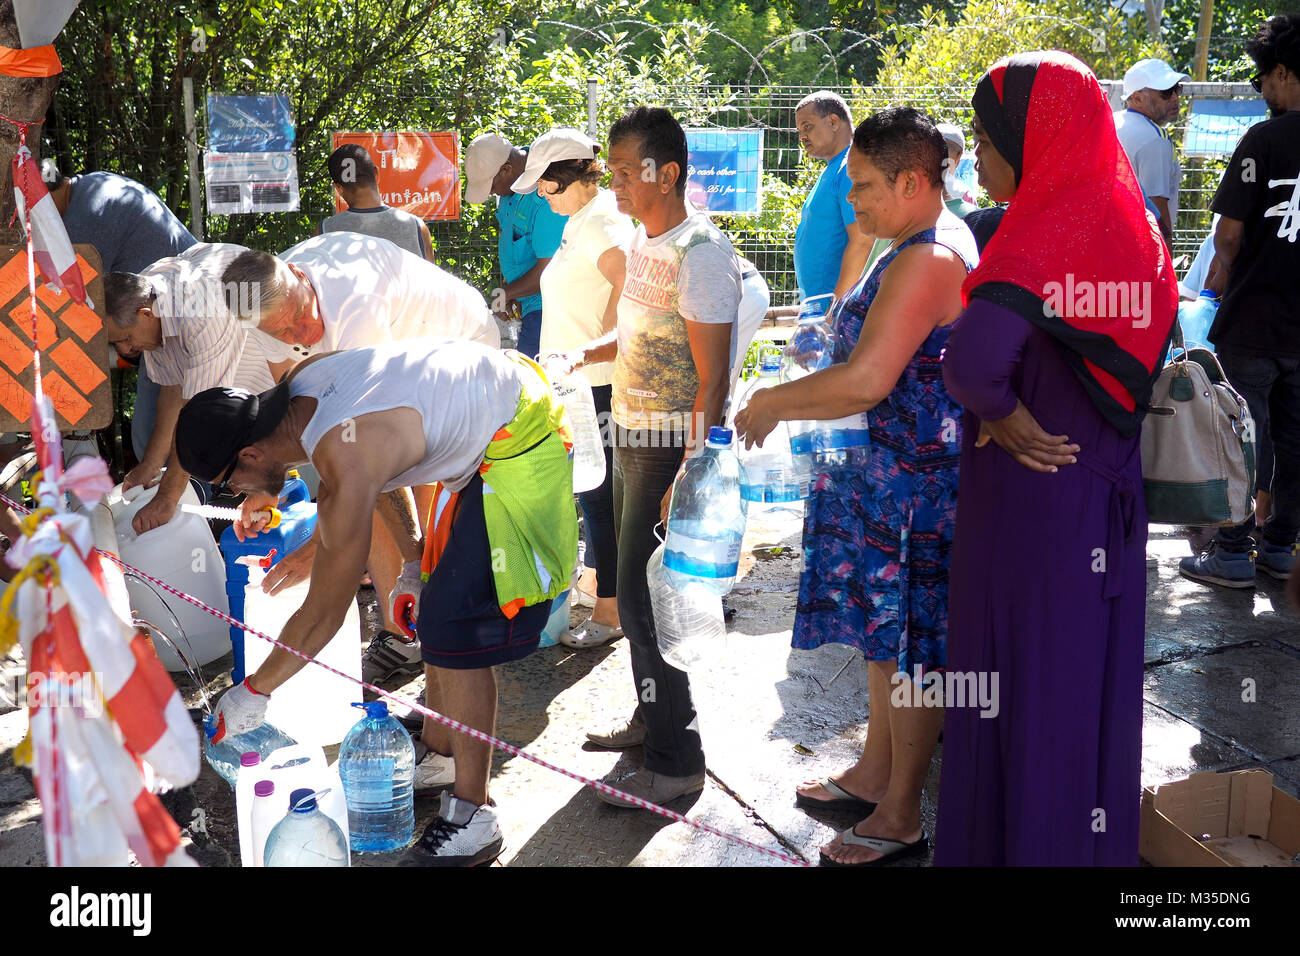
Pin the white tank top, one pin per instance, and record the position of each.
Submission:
(463, 391)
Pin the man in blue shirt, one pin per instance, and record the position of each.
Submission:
(131, 229)
(830, 251)
(530, 231)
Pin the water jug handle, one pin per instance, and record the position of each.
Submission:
(295, 490)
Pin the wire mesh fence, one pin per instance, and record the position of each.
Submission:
(467, 246)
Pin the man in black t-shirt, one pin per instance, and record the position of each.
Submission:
(1256, 269)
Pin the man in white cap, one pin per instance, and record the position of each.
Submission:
(530, 231)
(1151, 89)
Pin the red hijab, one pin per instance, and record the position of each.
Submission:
(1076, 253)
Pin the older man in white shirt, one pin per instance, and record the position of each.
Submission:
(1151, 91)
(175, 314)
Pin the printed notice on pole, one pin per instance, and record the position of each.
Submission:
(251, 182)
(250, 165)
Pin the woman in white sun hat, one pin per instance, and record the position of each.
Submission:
(580, 290)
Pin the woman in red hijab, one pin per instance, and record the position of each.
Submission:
(1068, 315)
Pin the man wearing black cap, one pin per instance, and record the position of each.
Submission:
(376, 421)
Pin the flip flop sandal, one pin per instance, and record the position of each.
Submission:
(893, 850)
(843, 800)
(589, 635)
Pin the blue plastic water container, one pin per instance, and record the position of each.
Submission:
(297, 522)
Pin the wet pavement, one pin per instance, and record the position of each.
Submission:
(1222, 692)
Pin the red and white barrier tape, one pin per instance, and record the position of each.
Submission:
(440, 718)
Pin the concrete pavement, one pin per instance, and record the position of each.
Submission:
(1222, 691)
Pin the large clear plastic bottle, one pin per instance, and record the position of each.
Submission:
(377, 767)
(1196, 317)
(225, 757)
(686, 622)
(706, 520)
(588, 451)
(818, 445)
(768, 473)
(305, 836)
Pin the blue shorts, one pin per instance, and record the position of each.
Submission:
(460, 623)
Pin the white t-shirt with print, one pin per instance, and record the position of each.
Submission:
(574, 292)
(689, 273)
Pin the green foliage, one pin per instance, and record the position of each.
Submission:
(1235, 21)
(943, 52)
(368, 64)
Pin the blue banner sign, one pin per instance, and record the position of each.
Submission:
(726, 170)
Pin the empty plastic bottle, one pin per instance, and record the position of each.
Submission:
(706, 521)
(225, 756)
(266, 813)
(685, 622)
(588, 451)
(1196, 317)
(817, 445)
(768, 473)
(377, 767)
(305, 836)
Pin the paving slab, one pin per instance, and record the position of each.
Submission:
(1248, 696)
(1172, 748)
(1185, 617)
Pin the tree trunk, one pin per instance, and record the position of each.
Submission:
(21, 98)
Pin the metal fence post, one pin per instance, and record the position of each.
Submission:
(593, 101)
(192, 148)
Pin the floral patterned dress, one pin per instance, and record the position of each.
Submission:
(878, 531)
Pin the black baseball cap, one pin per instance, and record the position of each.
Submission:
(216, 423)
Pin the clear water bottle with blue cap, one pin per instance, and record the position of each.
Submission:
(818, 445)
(706, 520)
(305, 836)
(1196, 317)
(768, 473)
(377, 767)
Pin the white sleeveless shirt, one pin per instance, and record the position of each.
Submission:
(463, 391)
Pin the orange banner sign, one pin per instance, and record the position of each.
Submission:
(417, 172)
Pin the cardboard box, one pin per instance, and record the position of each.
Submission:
(1220, 819)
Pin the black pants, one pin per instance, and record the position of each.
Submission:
(598, 506)
(1271, 387)
(641, 477)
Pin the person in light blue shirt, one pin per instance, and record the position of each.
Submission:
(530, 231)
(830, 251)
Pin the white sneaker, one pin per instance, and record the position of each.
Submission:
(460, 835)
(434, 772)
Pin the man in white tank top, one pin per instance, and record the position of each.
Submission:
(373, 422)
(343, 290)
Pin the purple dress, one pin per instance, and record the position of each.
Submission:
(1048, 593)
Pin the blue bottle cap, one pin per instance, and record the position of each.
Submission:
(1209, 293)
(302, 800)
(719, 435)
(374, 708)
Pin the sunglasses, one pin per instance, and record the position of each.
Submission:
(1170, 93)
(1257, 81)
